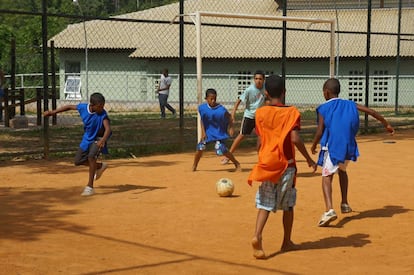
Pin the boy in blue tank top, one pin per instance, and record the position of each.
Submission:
(216, 121)
(97, 131)
(338, 125)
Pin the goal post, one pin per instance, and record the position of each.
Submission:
(196, 18)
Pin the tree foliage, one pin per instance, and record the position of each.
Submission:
(27, 29)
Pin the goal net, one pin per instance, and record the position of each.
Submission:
(239, 44)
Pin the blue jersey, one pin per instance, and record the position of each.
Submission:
(92, 126)
(215, 122)
(341, 120)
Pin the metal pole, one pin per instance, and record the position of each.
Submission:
(86, 48)
(86, 61)
(332, 53)
(12, 111)
(13, 63)
(337, 40)
(284, 40)
(284, 33)
(45, 80)
(199, 72)
(367, 61)
(397, 77)
(53, 74)
(181, 66)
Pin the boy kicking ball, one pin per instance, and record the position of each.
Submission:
(97, 132)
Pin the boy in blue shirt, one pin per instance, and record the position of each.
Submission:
(215, 122)
(97, 131)
(338, 125)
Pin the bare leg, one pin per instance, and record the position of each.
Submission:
(233, 147)
(287, 244)
(327, 191)
(231, 157)
(236, 143)
(92, 170)
(197, 157)
(261, 220)
(343, 182)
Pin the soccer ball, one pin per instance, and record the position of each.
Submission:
(224, 187)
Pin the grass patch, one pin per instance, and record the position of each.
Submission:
(142, 134)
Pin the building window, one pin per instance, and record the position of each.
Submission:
(72, 69)
(143, 85)
(380, 85)
(356, 86)
(267, 73)
(244, 80)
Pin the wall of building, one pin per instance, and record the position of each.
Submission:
(123, 79)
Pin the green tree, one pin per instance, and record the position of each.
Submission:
(27, 29)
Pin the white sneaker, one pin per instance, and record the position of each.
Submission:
(345, 208)
(327, 217)
(88, 191)
(100, 171)
(224, 161)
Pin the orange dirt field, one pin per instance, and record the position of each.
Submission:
(152, 215)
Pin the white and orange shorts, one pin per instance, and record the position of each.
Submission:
(328, 168)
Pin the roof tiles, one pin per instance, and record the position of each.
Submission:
(154, 40)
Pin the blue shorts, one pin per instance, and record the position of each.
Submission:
(219, 146)
(278, 196)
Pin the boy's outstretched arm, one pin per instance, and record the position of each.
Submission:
(101, 143)
(236, 105)
(377, 116)
(295, 137)
(203, 131)
(59, 110)
(318, 134)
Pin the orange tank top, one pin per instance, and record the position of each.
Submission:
(273, 125)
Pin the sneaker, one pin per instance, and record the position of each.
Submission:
(100, 171)
(345, 208)
(224, 161)
(88, 191)
(327, 217)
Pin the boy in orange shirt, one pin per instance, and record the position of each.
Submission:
(277, 127)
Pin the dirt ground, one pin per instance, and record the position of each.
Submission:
(152, 215)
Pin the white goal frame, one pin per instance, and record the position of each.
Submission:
(196, 18)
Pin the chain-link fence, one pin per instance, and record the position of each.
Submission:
(122, 57)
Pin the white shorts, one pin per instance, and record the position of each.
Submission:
(328, 168)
